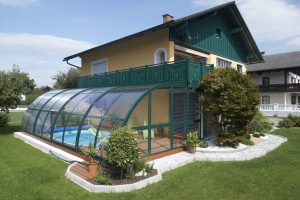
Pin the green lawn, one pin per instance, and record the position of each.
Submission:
(27, 173)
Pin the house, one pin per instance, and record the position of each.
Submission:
(278, 79)
(147, 80)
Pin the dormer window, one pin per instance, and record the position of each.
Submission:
(218, 33)
(160, 56)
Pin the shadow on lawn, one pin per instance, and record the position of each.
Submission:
(9, 129)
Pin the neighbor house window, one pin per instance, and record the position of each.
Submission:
(266, 80)
(99, 66)
(223, 63)
(240, 68)
(293, 100)
(265, 100)
(218, 33)
(160, 56)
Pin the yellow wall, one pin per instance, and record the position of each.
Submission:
(212, 59)
(133, 52)
(160, 109)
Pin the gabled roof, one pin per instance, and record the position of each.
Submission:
(247, 39)
(277, 62)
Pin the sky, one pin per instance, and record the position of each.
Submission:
(37, 34)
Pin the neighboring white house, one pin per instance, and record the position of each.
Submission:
(278, 79)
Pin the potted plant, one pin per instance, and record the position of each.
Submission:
(92, 164)
(192, 141)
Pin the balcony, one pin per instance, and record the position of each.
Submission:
(295, 87)
(175, 73)
(279, 110)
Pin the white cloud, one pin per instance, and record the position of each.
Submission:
(39, 55)
(20, 3)
(272, 22)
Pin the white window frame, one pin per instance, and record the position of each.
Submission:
(222, 59)
(99, 61)
(156, 55)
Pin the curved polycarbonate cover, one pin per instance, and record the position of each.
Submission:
(78, 117)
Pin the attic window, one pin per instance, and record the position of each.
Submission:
(218, 33)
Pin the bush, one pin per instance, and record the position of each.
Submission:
(192, 139)
(139, 165)
(231, 98)
(295, 119)
(148, 168)
(102, 178)
(262, 135)
(228, 139)
(123, 147)
(247, 136)
(286, 123)
(289, 121)
(4, 119)
(259, 124)
(246, 141)
(257, 135)
(203, 144)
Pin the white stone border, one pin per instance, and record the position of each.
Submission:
(248, 153)
(47, 148)
(110, 188)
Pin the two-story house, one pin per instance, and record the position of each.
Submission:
(278, 79)
(147, 80)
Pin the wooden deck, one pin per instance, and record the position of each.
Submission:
(81, 170)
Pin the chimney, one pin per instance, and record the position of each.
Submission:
(167, 18)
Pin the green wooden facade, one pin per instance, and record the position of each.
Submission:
(200, 33)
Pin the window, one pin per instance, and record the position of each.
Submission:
(265, 100)
(218, 33)
(293, 80)
(160, 56)
(99, 66)
(266, 80)
(240, 68)
(293, 100)
(223, 63)
(299, 81)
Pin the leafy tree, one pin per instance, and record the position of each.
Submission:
(231, 98)
(123, 147)
(12, 85)
(35, 93)
(65, 80)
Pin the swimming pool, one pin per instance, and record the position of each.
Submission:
(86, 137)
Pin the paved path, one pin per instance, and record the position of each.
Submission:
(176, 160)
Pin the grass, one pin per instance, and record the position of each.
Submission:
(27, 173)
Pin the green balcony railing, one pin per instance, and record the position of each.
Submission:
(183, 72)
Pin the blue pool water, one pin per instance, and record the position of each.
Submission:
(85, 137)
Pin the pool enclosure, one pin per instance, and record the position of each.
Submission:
(161, 116)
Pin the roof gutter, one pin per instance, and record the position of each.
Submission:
(67, 61)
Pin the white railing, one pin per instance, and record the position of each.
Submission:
(279, 107)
